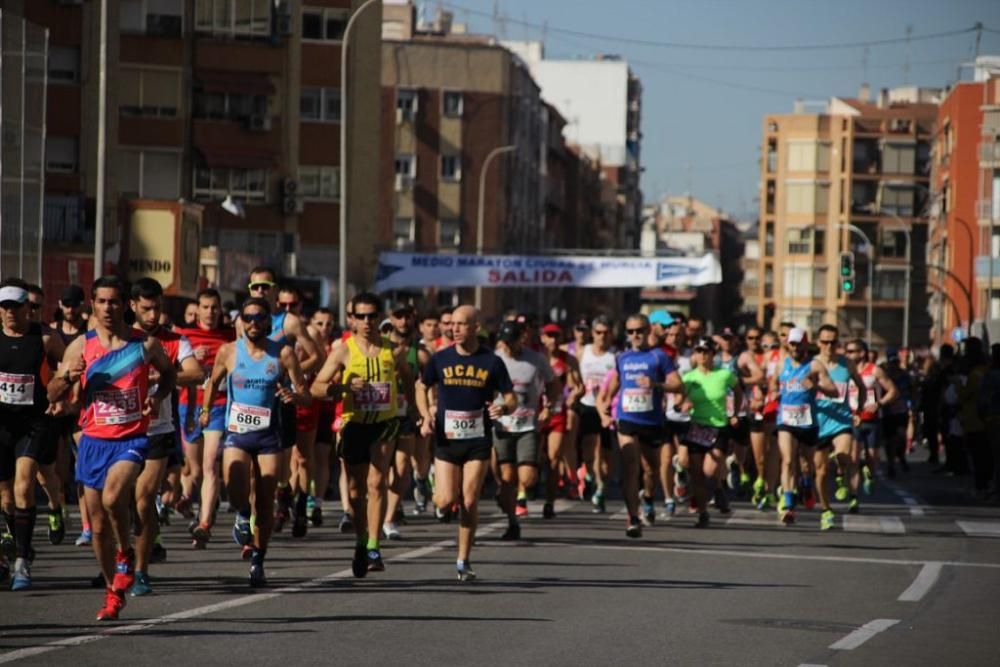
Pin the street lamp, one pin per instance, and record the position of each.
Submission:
(342, 272)
(102, 122)
(482, 199)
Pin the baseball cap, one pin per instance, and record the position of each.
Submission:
(798, 335)
(706, 342)
(582, 324)
(72, 296)
(552, 329)
(401, 308)
(661, 317)
(13, 293)
(892, 353)
(510, 331)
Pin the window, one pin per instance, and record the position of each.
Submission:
(809, 197)
(235, 18)
(768, 281)
(164, 18)
(64, 64)
(406, 165)
(450, 234)
(317, 182)
(890, 285)
(406, 104)
(248, 184)
(899, 158)
(149, 92)
(893, 244)
(320, 104)
(769, 240)
(150, 174)
(863, 194)
(451, 104)
(61, 154)
(404, 233)
(228, 106)
(324, 24)
(451, 168)
(799, 241)
(805, 282)
(808, 156)
(896, 200)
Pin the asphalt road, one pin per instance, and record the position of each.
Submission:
(912, 580)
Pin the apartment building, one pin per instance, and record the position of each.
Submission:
(852, 162)
(210, 100)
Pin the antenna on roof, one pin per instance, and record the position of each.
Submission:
(906, 63)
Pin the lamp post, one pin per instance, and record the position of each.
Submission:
(342, 235)
(102, 122)
(482, 200)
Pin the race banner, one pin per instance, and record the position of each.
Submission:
(402, 270)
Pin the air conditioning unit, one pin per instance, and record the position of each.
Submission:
(259, 123)
(403, 182)
(289, 187)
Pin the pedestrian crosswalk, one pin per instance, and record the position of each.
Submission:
(874, 523)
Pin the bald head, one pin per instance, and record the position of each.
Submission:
(465, 323)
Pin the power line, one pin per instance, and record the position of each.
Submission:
(731, 47)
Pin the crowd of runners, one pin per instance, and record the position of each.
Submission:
(270, 415)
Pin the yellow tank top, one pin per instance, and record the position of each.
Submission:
(377, 401)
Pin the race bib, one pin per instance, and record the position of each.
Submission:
(637, 399)
(373, 397)
(117, 406)
(799, 416)
(464, 425)
(245, 418)
(841, 392)
(17, 389)
(703, 436)
(522, 421)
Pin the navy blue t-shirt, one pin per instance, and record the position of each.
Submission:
(466, 384)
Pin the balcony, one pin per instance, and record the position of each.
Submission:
(989, 154)
(983, 270)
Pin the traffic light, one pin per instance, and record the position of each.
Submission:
(847, 282)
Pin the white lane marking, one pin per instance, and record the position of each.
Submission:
(863, 634)
(808, 664)
(925, 580)
(912, 502)
(980, 528)
(762, 554)
(752, 518)
(860, 523)
(253, 598)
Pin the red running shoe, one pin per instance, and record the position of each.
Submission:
(124, 570)
(114, 602)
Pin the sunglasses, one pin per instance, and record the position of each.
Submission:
(753, 337)
(367, 317)
(827, 342)
(632, 332)
(261, 286)
(771, 346)
(255, 318)
(11, 305)
(852, 350)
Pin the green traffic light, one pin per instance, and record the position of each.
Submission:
(847, 286)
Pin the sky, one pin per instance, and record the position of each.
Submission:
(703, 108)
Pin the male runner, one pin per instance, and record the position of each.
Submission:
(202, 443)
(516, 435)
(596, 360)
(799, 378)
(72, 324)
(836, 420)
(560, 445)
(25, 439)
(445, 325)
(321, 327)
(147, 304)
(112, 364)
(880, 391)
(455, 396)
(750, 374)
(255, 369)
(765, 348)
(370, 367)
(643, 375)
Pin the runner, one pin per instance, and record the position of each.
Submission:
(581, 338)
(678, 413)
(147, 304)
(708, 388)
(880, 390)
(403, 337)
(516, 435)
(560, 447)
(896, 414)
(423, 450)
(750, 374)
(596, 361)
(26, 444)
(256, 370)
(321, 328)
(462, 381)
(836, 421)
(765, 348)
(447, 337)
(643, 375)
(799, 378)
(112, 364)
(202, 444)
(368, 388)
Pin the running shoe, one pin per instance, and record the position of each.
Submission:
(703, 520)
(141, 586)
(841, 492)
(257, 577)
(391, 531)
(512, 534)
(346, 525)
(316, 516)
(57, 527)
(124, 570)
(7, 547)
(359, 564)
(21, 581)
(300, 525)
(114, 602)
(419, 496)
(853, 507)
(443, 516)
(521, 511)
(242, 534)
(374, 558)
(787, 516)
(246, 552)
(200, 535)
(158, 554)
(669, 509)
(722, 501)
(598, 502)
(162, 511)
(634, 529)
(827, 520)
(759, 490)
(548, 511)
(733, 478)
(744, 483)
(867, 480)
(280, 519)
(465, 572)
